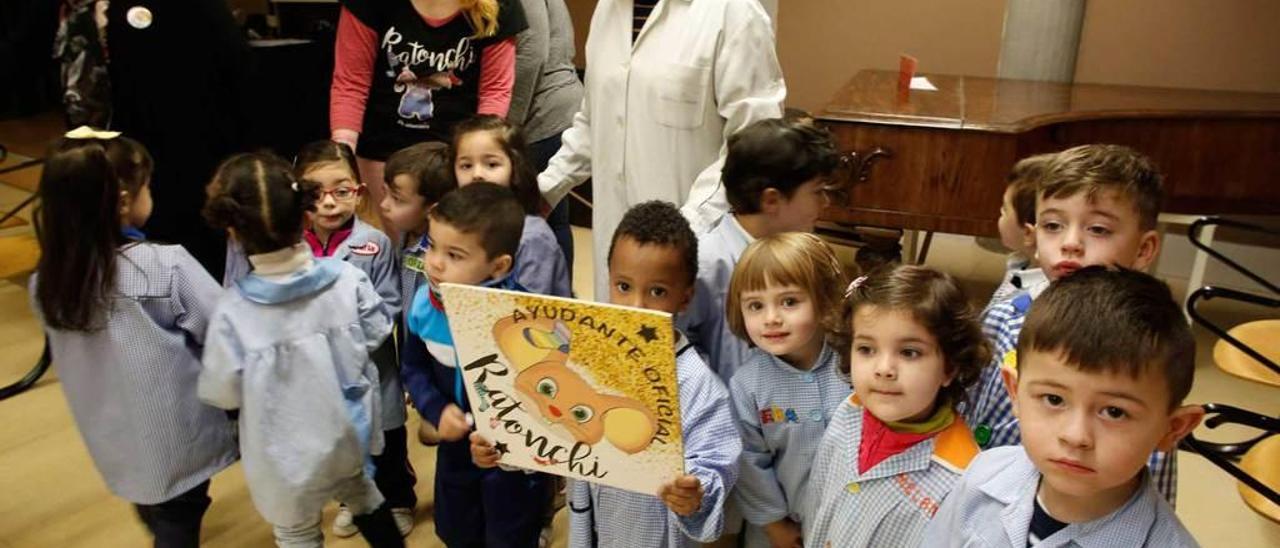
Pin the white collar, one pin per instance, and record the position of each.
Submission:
(282, 262)
(737, 228)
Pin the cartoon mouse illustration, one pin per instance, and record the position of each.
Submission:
(539, 351)
(416, 102)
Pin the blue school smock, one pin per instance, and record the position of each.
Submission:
(292, 353)
(889, 504)
(610, 517)
(992, 507)
(704, 321)
(368, 249)
(539, 263)
(131, 385)
(782, 413)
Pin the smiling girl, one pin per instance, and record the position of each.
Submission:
(784, 298)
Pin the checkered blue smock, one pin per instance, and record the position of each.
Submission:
(132, 385)
(609, 517)
(889, 504)
(991, 508)
(782, 413)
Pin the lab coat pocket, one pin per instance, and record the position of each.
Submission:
(680, 95)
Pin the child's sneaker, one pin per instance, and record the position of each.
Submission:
(404, 520)
(344, 524)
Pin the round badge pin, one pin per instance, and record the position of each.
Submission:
(138, 17)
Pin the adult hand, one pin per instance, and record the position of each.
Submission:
(348, 137)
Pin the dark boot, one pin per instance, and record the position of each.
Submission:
(379, 528)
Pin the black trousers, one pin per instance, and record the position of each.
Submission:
(175, 523)
(394, 475)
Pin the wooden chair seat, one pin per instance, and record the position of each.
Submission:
(1264, 337)
(1263, 463)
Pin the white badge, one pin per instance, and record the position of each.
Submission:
(138, 17)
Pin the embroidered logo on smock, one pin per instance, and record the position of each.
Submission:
(414, 262)
(775, 414)
(369, 248)
(916, 495)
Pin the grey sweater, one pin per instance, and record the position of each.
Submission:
(547, 91)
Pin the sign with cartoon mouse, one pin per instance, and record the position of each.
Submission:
(583, 390)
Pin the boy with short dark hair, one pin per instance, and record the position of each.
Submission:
(1017, 225)
(1096, 205)
(417, 177)
(474, 234)
(776, 179)
(1104, 361)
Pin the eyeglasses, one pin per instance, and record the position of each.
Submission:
(340, 194)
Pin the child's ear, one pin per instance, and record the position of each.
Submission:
(1148, 250)
(1181, 422)
(1029, 235)
(688, 296)
(124, 202)
(501, 266)
(1010, 377)
(771, 199)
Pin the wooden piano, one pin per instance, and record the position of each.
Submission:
(937, 161)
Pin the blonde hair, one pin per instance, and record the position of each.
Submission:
(792, 258)
(483, 15)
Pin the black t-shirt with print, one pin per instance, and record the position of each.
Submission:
(425, 79)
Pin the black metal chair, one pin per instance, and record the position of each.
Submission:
(1254, 455)
(1226, 455)
(42, 365)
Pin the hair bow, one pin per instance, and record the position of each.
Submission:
(86, 132)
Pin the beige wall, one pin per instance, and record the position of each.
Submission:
(1209, 44)
(821, 43)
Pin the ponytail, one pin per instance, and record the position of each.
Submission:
(78, 225)
(258, 196)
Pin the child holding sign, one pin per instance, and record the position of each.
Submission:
(652, 264)
(474, 232)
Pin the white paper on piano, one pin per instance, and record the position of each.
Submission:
(921, 83)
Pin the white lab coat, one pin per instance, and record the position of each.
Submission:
(656, 114)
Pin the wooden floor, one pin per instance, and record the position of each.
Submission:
(51, 495)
